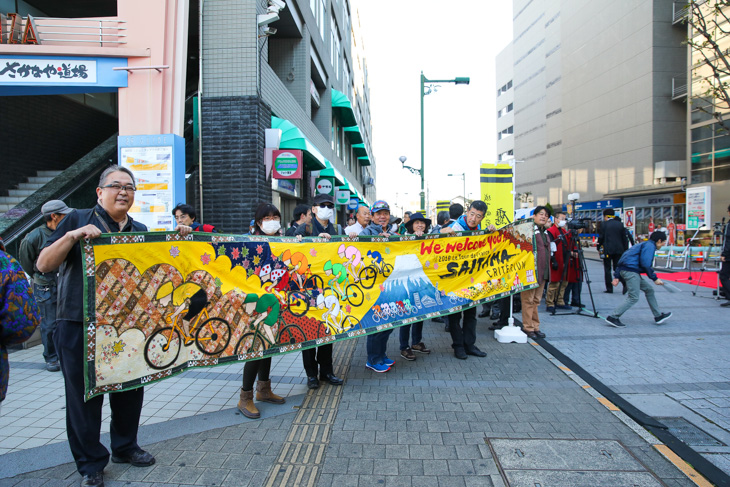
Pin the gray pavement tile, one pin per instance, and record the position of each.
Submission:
(436, 467)
(362, 466)
(187, 474)
(189, 458)
(161, 473)
(399, 481)
(213, 476)
(234, 461)
(333, 465)
(239, 478)
(452, 481)
(345, 480)
(261, 462)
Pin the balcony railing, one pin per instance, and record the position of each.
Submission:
(679, 88)
(64, 31)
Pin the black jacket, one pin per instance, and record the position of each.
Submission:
(317, 229)
(612, 237)
(726, 247)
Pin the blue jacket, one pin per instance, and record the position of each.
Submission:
(374, 229)
(638, 259)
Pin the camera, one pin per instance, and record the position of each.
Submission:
(717, 229)
(576, 224)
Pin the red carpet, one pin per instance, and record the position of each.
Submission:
(709, 279)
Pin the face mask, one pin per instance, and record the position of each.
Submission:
(561, 223)
(270, 227)
(325, 213)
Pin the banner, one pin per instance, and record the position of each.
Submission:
(158, 303)
(497, 186)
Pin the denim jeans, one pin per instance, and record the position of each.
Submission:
(376, 345)
(46, 297)
(636, 283)
(405, 332)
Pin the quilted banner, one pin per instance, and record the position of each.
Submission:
(158, 303)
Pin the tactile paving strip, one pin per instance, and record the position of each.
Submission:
(303, 451)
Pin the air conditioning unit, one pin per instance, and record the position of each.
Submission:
(370, 182)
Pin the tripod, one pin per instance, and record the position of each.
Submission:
(584, 271)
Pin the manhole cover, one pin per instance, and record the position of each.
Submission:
(689, 433)
(540, 463)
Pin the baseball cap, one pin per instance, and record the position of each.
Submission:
(55, 206)
(323, 198)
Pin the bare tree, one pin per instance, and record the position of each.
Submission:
(710, 25)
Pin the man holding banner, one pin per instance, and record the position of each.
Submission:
(63, 251)
(464, 339)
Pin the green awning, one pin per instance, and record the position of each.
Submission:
(364, 160)
(293, 138)
(343, 108)
(359, 150)
(353, 134)
(331, 172)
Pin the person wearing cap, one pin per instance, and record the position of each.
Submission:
(377, 343)
(44, 284)
(323, 208)
(416, 225)
(62, 251)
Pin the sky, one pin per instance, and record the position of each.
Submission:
(445, 40)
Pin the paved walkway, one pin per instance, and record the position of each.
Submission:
(513, 418)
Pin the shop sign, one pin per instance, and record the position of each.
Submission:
(342, 196)
(653, 200)
(325, 186)
(17, 33)
(39, 70)
(598, 205)
(630, 220)
(287, 164)
(353, 204)
(698, 207)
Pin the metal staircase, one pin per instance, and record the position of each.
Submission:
(26, 189)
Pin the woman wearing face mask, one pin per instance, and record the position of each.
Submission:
(323, 208)
(563, 268)
(267, 221)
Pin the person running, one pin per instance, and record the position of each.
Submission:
(267, 221)
(417, 225)
(634, 262)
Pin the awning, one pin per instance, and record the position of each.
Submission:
(331, 172)
(293, 138)
(359, 150)
(353, 134)
(364, 160)
(343, 108)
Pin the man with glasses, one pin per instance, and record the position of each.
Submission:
(62, 251)
(323, 208)
(464, 339)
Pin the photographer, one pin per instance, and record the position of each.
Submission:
(612, 239)
(725, 269)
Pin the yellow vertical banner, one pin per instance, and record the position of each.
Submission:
(496, 186)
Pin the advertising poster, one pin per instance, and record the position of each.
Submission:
(630, 220)
(698, 207)
(158, 303)
(153, 201)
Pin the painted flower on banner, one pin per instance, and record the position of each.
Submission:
(235, 253)
(348, 309)
(221, 251)
(218, 282)
(387, 250)
(256, 260)
(174, 251)
(205, 258)
(428, 263)
(313, 252)
(259, 249)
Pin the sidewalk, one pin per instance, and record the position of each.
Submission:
(513, 417)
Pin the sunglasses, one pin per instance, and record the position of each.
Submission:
(326, 205)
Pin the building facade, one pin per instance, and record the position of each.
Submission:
(594, 111)
(299, 78)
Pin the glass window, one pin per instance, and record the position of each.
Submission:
(702, 147)
(704, 132)
(702, 176)
(722, 173)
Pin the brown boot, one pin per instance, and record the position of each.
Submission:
(264, 393)
(246, 405)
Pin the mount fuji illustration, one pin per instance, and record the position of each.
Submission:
(408, 284)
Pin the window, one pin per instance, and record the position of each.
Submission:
(505, 156)
(504, 88)
(710, 154)
(346, 79)
(317, 8)
(505, 133)
(335, 47)
(504, 111)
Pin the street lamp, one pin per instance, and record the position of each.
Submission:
(463, 179)
(431, 88)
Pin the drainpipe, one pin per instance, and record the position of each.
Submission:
(200, 107)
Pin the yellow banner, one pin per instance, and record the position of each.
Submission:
(497, 184)
(157, 304)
